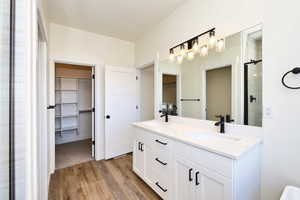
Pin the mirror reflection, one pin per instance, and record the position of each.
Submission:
(227, 82)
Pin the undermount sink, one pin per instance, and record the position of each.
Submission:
(154, 123)
(211, 136)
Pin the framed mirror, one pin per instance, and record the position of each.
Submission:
(227, 82)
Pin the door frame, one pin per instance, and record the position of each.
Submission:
(97, 106)
(139, 72)
(245, 34)
(178, 89)
(42, 113)
(233, 95)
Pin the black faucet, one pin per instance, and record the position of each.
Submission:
(221, 123)
(164, 114)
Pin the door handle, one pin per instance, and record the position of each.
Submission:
(107, 117)
(197, 181)
(190, 174)
(50, 107)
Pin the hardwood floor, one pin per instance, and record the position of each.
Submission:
(102, 180)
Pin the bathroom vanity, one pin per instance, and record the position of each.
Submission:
(181, 161)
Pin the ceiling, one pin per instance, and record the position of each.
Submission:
(123, 19)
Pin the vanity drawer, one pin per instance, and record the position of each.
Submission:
(160, 144)
(212, 161)
(159, 163)
(161, 185)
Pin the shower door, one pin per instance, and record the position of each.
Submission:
(6, 125)
(253, 93)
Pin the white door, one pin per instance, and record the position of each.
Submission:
(51, 115)
(184, 179)
(120, 110)
(93, 112)
(211, 185)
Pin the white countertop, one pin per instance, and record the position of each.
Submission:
(228, 145)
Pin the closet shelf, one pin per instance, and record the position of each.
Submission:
(60, 103)
(66, 116)
(75, 90)
(66, 128)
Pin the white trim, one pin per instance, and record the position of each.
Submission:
(245, 34)
(178, 89)
(31, 97)
(98, 100)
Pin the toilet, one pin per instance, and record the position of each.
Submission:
(290, 193)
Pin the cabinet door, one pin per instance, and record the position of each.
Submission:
(211, 185)
(139, 158)
(183, 179)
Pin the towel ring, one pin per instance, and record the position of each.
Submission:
(296, 70)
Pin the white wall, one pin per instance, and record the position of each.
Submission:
(82, 47)
(72, 44)
(281, 161)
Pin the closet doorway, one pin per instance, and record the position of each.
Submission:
(74, 114)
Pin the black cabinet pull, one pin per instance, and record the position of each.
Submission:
(197, 181)
(142, 146)
(107, 117)
(50, 107)
(161, 162)
(160, 142)
(164, 190)
(190, 174)
(139, 148)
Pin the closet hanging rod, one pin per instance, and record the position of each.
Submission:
(189, 99)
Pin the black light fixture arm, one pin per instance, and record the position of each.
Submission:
(296, 70)
(190, 41)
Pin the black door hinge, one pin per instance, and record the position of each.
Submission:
(93, 142)
(93, 109)
(136, 78)
(137, 107)
(93, 76)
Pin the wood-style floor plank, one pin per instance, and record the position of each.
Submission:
(102, 180)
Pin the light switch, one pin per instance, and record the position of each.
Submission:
(268, 112)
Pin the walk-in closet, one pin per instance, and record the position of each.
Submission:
(73, 114)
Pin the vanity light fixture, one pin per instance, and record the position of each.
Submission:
(204, 50)
(182, 50)
(172, 55)
(191, 55)
(191, 47)
(179, 59)
(212, 39)
(220, 46)
(195, 45)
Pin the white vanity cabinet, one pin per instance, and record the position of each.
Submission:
(152, 161)
(179, 171)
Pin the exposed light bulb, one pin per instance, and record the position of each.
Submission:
(191, 55)
(220, 46)
(196, 46)
(182, 51)
(204, 50)
(172, 56)
(212, 40)
(179, 59)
